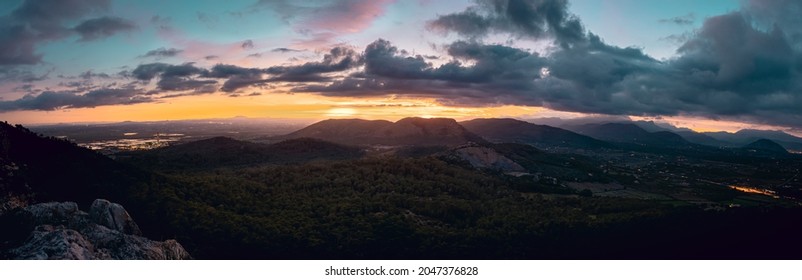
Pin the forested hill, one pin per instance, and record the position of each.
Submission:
(404, 132)
(49, 169)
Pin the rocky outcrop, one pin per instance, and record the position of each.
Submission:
(59, 230)
(484, 157)
(113, 216)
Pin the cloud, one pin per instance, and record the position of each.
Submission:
(338, 59)
(175, 83)
(187, 76)
(687, 19)
(744, 65)
(531, 19)
(467, 23)
(236, 77)
(284, 50)
(678, 39)
(89, 75)
(162, 52)
(784, 14)
(247, 44)
(176, 77)
(8, 74)
(323, 20)
(740, 65)
(729, 68)
(102, 27)
(36, 21)
(57, 100)
(228, 71)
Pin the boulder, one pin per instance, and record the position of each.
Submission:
(55, 243)
(60, 231)
(113, 216)
(52, 212)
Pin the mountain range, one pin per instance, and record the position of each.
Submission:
(715, 139)
(407, 131)
(631, 133)
(516, 131)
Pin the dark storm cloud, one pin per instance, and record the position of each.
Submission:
(56, 100)
(181, 77)
(37, 21)
(174, 83)
(162, 52)
(532, 19)
(228, 71)
(148, 71)
(236, 76)
(338, 59)
(680, 20)
(735, 56)
(102, 27)
(503, 71)
(784, 14)
(496, 74)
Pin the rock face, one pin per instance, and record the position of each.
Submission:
(60, 231)
(113, 216)
(484, 157)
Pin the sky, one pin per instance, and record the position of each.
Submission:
(708, 65)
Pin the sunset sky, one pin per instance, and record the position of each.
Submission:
(707, 65)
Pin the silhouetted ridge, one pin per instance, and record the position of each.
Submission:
(512, 130)
(765, 145)
(407, 131)
(630, 133)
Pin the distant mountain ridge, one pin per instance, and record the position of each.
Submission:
(714, 139)
(746, 136)
(517, 131)
(630, 133)
(407, 131)
(766, 146)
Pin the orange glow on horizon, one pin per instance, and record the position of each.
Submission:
(315, 107)
(280, 106)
